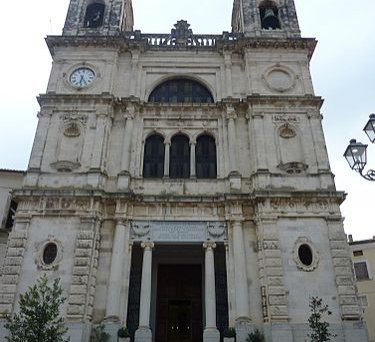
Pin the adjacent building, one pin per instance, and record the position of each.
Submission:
(363, 256)
(179, 183)
(9, 180)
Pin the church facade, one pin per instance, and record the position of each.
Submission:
(179, 184)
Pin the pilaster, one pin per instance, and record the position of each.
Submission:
(342, 265)
(13, 264)
(273, 291)
(82, 289)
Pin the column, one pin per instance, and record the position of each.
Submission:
(232, 143)
(143, 333)
(167, 158)
(319, 144)
(258, 132)
(210, 332)
(192, 159)
(126, 273)
(228, 74)
(97, 152)
(119, 257)
(126, 144)
(39, 141)
(240, 277)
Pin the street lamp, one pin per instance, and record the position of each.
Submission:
(356, 154)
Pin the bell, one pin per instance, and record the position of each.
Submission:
(270, 20)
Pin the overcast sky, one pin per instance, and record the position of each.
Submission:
(342, 68)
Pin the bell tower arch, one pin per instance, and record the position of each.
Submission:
(98, 17)
(265, 18)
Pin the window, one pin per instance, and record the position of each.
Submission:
(361, 271)
(269, 15)
(181, 91)
(305, 254)
(50, 253)
(205, 157)
(94, 15)
(357, 253)
(153, 164)
(11, 213)
(179, 166)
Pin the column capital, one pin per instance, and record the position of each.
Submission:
(209, 245)
(147, 245)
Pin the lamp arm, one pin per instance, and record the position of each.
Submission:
(369, 175)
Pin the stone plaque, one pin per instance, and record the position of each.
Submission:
(167, 231)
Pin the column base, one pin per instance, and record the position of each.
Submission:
(243, 327)
(143, 334)
(211, 335)
(123, 181)
(235, 181)
(111, 327)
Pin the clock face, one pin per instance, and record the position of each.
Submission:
(82, 77)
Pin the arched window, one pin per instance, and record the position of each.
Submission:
(205, 157)
(179, 166)
(269, 15)
(94, 15)
(153, 162)
(181, 91)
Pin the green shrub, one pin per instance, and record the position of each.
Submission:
(229, 332)
(123, 332)
(256, 336)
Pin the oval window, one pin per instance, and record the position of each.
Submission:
(50, 253)
(305, 254)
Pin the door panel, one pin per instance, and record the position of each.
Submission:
(179, 304)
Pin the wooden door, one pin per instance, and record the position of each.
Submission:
(179, 304)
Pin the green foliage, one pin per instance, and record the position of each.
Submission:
(229, 332)
(320, 329)
(123, 332)
(256, 336)
(39, 318)
(99, 334)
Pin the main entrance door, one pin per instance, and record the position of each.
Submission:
(179, 304)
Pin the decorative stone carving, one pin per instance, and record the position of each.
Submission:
(39, 254)
(293, 168)
(166, 231)
(72, 130)
(67, 118)
(310, 266)
(216, 229)
(140, 229)
(285, 118)
(287, 132)
(279, 78)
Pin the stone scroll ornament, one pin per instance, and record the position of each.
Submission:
(216, 229)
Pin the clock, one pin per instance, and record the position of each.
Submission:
(82, 77)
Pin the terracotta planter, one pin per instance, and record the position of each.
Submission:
(229, 339)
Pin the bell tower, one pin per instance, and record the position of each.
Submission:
(98, 17)
(265, 18)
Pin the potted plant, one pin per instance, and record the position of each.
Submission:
(229, 334)
(123, 335)
(256, 336)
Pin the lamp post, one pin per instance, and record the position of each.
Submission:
(356, 152)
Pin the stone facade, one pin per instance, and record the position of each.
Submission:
(267, 228)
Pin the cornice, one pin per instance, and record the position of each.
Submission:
(227, 42)
(53, 98)
(255, 196)
(236, 103)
